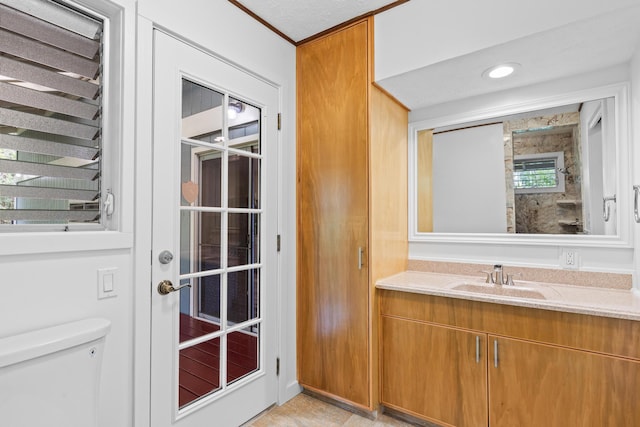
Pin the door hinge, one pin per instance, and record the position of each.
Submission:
(277, 366)
(278, 243)
(279, 121)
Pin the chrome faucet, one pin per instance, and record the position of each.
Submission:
(498, 273)
(497, 276)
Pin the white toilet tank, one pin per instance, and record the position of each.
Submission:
(51, 377)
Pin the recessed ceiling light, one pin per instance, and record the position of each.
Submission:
(501, 71)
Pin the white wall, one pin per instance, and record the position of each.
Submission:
(225, 31)
(420, 33)
(469, 181)
(51, 278)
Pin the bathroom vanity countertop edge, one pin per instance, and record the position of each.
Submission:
(615, 303)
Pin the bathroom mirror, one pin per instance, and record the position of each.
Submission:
(549, 169)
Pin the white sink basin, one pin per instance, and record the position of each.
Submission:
(504, 291)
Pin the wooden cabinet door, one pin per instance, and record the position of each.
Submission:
(542, 385)
(333, 291)
(434, 372)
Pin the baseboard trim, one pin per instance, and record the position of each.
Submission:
(340, 403)
(402, 416)
(290, 391)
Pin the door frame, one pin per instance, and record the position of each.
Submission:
(287, 385)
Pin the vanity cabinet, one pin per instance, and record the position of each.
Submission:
(536, 384)
(351, 211)
(533, 368)
(434, 372)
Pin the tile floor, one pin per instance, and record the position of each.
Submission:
(306, 411)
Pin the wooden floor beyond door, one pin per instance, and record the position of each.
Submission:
(200, 365)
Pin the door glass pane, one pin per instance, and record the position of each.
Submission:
(244, 122)
(201, 112)
(244, 180)
(199, 241)
(243, 296)
(242, 353)
(209, 297)
(243, 239)
(207, 290)
(200, 176)
(199, 372)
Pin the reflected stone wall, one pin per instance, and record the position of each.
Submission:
(545, 213)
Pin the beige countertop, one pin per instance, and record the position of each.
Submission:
(596, 301)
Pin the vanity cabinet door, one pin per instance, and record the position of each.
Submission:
(433, 372)
(543, 385)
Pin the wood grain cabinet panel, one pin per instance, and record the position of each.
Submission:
(332, 215)
(434, 372)
(541, 385)
(351, 211)
(543, 368)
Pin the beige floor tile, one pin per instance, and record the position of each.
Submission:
(387, 421)
(358, 421)
(306, 411)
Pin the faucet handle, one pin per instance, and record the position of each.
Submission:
(510, 279)
(489, 278)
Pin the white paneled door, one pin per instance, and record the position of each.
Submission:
(213, 351)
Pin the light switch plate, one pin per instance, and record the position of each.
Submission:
(107, 282)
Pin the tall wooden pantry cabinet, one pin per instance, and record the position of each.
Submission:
(351, 211)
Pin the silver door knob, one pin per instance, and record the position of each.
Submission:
(166, 287)
(165, 257)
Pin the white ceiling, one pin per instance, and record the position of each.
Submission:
(584, 46)
(595, 40)
(300, 19)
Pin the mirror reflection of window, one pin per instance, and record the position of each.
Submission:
(538, 172)
(541, 172)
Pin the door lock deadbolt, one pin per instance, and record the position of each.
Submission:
(165, 257)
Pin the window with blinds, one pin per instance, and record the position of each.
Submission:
(536, 173)
(50, 114)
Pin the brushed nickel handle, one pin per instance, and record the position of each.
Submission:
(490, 277)
(166, 287)
(636, 189)
(477, 349)
(360, 257)
(495, 353)
(606, 208)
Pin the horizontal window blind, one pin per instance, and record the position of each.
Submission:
(50, 114)
(535, 173)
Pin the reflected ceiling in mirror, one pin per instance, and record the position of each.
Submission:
(551, 171)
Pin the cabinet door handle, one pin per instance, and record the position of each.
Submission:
(606, 209)
(477, 349)
(360, 258)
(495, 353)
(636, 189)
